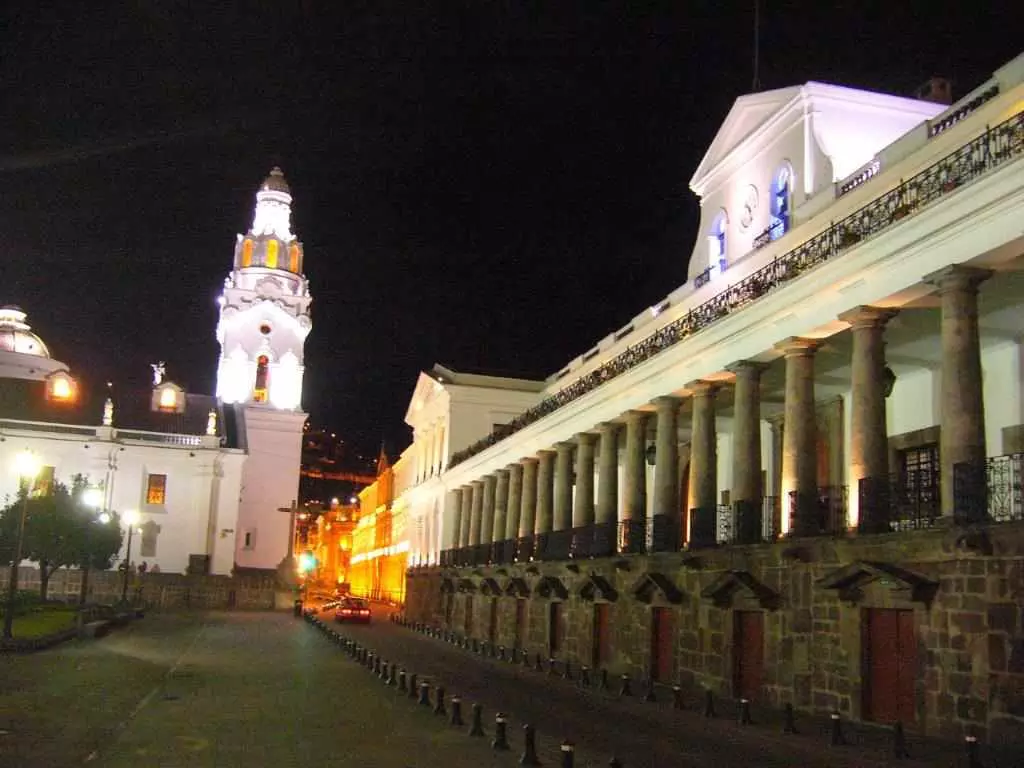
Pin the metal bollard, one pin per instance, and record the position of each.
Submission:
(709, 703)
(439, 701)
(529, 756)
(551, 666)
(413, 686)
(899, 742)
(384, 671)
(677, 697)
(624, 689)
(789, 725)
(392, 678)
(476, 727)
(567, 672)
(456, 718)
(614, 763)
(744, 717)
(501, 653)
(476, 645)
(585, 676)
(649, 694)
(837, 739)
(376, 665)
(526, 658)
(568, 750)
(425, 694)
(538, 665)
(500, 742)
(971, 750)
(401, 682)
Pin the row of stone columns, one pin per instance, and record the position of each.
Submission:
(535, 496)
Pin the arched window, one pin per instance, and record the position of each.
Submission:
(293, 258)
(247, 253)
(272, 254)
(782, 188)
(259, 391)
(717, 237)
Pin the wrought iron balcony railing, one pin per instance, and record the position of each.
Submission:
(989, 492)
(995, 147)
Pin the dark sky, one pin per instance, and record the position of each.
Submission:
(493, 187)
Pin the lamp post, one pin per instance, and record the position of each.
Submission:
(131, 518)
(26, 466)
(93, 499)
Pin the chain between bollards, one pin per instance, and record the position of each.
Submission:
(500, 742)
(529, 756)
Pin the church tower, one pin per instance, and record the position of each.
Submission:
(263, 324)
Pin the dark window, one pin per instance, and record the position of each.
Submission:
(917, 486)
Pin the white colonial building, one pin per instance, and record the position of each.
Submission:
(767, 482)
(208, 476)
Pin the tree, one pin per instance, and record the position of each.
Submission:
(99, 546)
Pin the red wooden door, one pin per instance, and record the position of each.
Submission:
(492, 624)
(661, 644)
(600, 650)
(890, 660)
(554, 628)
(520, 623)
(748, 653)
(468, 619)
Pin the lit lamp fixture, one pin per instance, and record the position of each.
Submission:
(131, 519)
(26, 467)
(61, 387)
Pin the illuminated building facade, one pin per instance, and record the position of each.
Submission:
(798, 478)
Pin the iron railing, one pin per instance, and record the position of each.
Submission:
(823, 513)
(993, 148)
(906, 501)
(989, 492)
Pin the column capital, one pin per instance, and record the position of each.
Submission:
(609, 426)
(958, 277)
(748, 368)
(666, 402)
(636, 417)
(702, 388)
(867, 317)
(544, 452)
(797, 346)
(514, 466)
(564, 446)
(477, 483)
(586, 438)
(502, 471)
(528, 460)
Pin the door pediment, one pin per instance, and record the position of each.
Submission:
(727, 585)
(850, 581)
(598, 588)
(653, 584)
(551, 587)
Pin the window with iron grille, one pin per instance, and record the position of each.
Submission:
(917, 492)
(156, 489)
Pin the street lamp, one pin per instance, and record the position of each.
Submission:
(93, 498)
(26, 466)
(131, 519)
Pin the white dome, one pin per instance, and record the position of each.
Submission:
(17, 336)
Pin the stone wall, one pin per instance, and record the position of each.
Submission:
(156, 590)
(961, 590)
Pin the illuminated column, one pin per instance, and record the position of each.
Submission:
(466, 518)
(500, 505)
(747, 490)
(476, 514)
(666, 475)
(453, 504)
(962, 410)
(515, 501)
(703, 502)
(545, 491)
(563, 487)
(487, 524)
(869, 443)
(528, 507)
(634, 505)
(799, 460)
(608, 474)
(583, 503)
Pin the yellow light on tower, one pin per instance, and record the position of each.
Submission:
(61, 388)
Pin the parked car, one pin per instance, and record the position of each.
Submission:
(352, 609)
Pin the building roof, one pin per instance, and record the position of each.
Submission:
(17, 336)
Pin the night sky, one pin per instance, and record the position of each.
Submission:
(494, 187)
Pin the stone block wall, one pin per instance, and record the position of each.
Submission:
(962, 592)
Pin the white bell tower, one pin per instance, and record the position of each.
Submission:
(262, 329)
(264, 313)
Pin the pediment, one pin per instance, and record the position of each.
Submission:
(722, 590)
(447, 586)
(427, 390)
(653, 584)
(598, 588)
(748, 113)
(489, 587)
(851, 580)
(517, 587)
(466, 585)
(551, 587)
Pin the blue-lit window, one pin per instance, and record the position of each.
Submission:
(717, 244)
(781, 192)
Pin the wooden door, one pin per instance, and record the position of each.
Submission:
(600, 651)
(661, 644)
(468, 619)
(890, 665)
(492, 624)
(554, 628)
(748, 653)
(520, 638)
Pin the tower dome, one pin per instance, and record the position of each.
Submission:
(16, 335)
(275, 182)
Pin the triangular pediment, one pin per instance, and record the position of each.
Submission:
(748, 113)
(851, 580)
(598, 588)
(489, 587)
(552, 587)
(428, 388)
(722, 590)
(653, 584)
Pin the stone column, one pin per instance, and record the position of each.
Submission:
(608, 475)
(962, 446)
(466, 518)
(500, 505)
(869, 444)
(563, 486)
(454, 506)
(634, 503)
(747, 486)
(666, 533)
(545, 491)
(703, 502)
(476, 513)
(528, 508)
(799, 459)
(583, 504)
(515, 501)
(487, 519)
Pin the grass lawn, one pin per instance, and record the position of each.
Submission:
(43, 622)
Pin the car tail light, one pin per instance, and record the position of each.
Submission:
(346, 612)
(365, 613)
